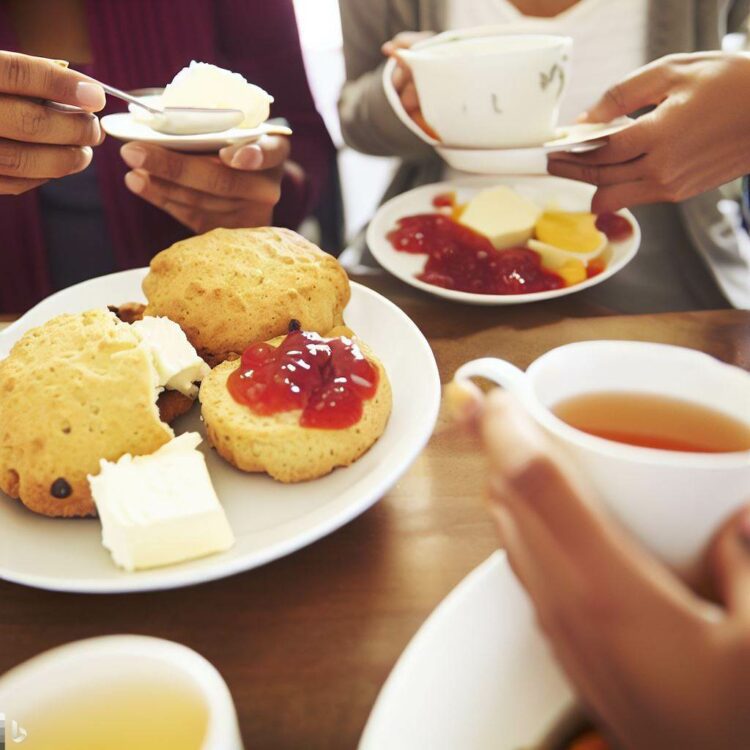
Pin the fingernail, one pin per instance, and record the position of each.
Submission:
(583, 117)
(98, 130)
(248, 157)
(134, 156)
(90, 95)
(135, 182)
(88, 154)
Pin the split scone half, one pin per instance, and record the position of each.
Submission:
(278, 444)
(80, 388)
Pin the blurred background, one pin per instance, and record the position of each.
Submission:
(363, 178)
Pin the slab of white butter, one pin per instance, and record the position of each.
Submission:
(503, 215)
(174, 357)
(161, 508)
(205, 85)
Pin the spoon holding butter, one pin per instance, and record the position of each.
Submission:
(180, 120)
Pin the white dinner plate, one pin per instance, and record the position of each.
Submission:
(557, 192)
(269, 519)
(125, 127)
(478, 675)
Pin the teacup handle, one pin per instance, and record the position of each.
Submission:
(498, 371)
(395, 101)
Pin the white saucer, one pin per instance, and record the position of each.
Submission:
(477, 675)
(575, 139)
(566, 195)
(125, 127)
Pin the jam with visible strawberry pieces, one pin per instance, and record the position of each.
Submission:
(328, 379)
(466, 261)
(617, 228)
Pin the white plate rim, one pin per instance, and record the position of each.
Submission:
(496, 564)
(381, 249)
(171, 577)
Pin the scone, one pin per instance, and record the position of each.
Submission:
(73, 391)
(230, 288)
(279, 443)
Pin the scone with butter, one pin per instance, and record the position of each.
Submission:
(297, 407)
(231, 288)
(82, 388)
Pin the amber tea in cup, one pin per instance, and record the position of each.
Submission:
(654, 421)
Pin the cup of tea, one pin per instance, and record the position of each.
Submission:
(483, 89)
(120, 692)
(663, 433)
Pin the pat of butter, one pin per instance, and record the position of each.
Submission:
(160, 509)
(176, 362)
(503, 215)
(206, 85)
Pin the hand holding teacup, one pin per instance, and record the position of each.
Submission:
(671, 500)
(657, 665)
(402, 79)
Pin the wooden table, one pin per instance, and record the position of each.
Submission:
(305, 643)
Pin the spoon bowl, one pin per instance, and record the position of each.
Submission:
(187, 120)
(178, 120)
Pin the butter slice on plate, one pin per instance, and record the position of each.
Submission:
(501, 214)
(174, 357)
(160, 509)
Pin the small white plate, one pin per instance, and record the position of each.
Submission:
(269, 519)
(125, 127)
(564, 195)
(477, 675)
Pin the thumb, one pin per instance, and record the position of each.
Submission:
(646, 86)
(267, 152)
(730, 560)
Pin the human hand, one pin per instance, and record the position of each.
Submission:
(696, 138)
(659, 667)
(402, 79)
(239, 188)
(38, 142)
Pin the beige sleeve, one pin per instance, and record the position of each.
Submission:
(368, 123)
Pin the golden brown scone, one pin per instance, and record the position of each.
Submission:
(230, 288)
(72, 391)
(128, 312)
(173, 404)
(277, 444)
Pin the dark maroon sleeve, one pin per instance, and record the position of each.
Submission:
(259, 39)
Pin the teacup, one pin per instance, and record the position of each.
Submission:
(498, 91)
(51, 700)
(672, 501)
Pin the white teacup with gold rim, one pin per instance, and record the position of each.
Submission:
(120, 692)
(499, 91)
(671, 500)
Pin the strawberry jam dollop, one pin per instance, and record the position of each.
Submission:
(328, 379)
(614, 226)
(464, 260)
